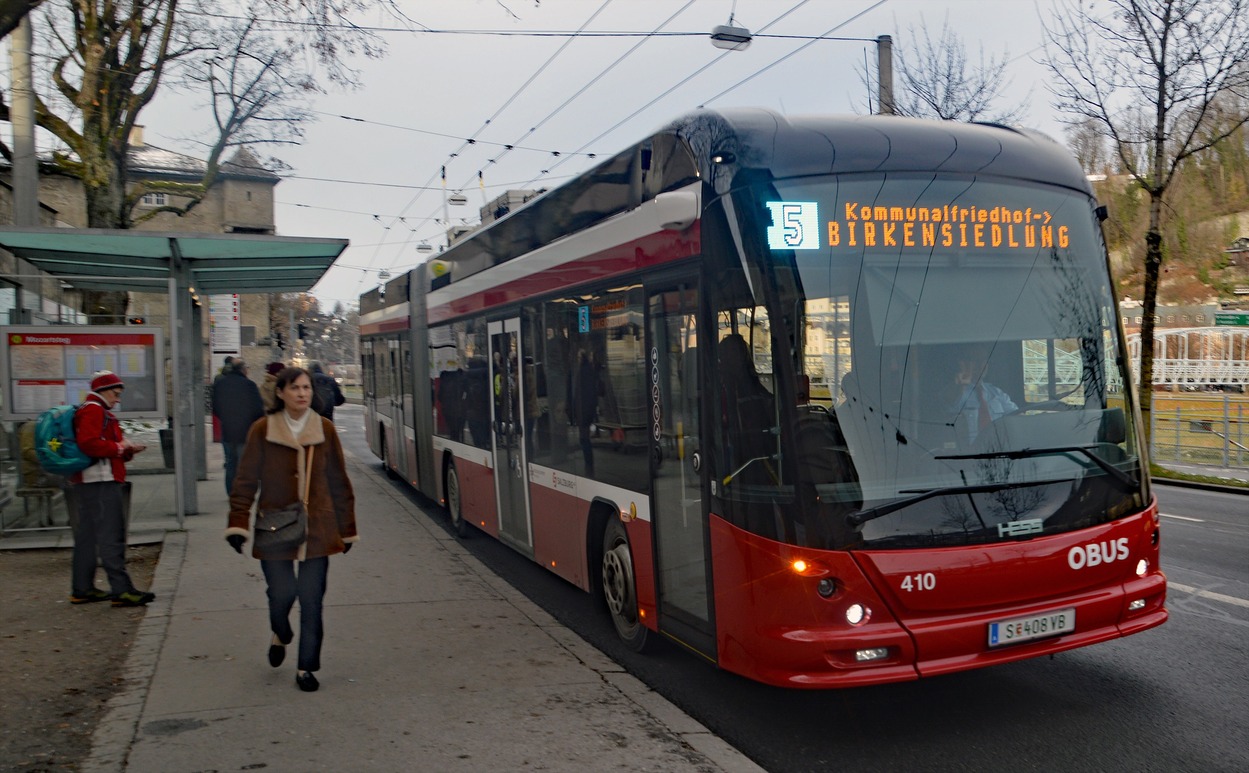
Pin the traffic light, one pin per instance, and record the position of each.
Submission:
(137, 321)
(303, 331)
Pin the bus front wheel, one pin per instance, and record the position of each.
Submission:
(620, 587)
(455, 504)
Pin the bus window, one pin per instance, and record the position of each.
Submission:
(592, 353)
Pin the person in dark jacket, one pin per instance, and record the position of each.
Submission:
(270, 384)
(99, 496)
(584, 405)
(237, 405)
(326, 392)
(276, 465)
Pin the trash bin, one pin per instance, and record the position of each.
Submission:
(166, 447)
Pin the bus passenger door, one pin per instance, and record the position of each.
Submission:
(507, 429)
(679, 523)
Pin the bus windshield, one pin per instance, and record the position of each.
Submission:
(960, 378)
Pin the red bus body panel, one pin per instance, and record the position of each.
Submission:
(478, 502)
(559, 541)
(797, 638)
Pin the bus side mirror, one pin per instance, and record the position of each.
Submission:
(1114, 426)
(676, 210)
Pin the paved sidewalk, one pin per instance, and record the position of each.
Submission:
(430, 663)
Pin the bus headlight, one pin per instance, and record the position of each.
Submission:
(857, 614)
(1142, 566)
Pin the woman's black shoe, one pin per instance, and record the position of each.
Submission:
(306, 681)
(277, 653)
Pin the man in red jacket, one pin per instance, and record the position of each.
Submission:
(101, 530)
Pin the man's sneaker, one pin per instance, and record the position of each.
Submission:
(95, 594)
(133, 598)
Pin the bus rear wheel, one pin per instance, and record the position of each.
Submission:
(455, 504)
(620, 588)
(386, 468)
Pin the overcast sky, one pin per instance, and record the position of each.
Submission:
(376, 180)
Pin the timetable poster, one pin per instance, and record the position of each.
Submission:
(44, 366)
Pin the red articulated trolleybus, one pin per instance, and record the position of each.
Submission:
(828, 401)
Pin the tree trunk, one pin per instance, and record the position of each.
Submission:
(1153, 272)
(104, 187)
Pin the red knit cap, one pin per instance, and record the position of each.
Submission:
(274, 368)
(105, 379)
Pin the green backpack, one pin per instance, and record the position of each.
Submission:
(55, 444)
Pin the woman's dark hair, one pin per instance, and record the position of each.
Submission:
(286, 376)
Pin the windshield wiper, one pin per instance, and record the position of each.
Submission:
(1127, 481)
(872, 513)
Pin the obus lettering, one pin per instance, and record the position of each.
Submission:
(1096, 553)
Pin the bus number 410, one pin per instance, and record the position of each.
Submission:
(919, 581)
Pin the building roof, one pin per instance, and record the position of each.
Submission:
(151, 161)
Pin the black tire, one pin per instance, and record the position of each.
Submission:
(619, 588)
(455, 505)
(386, 468)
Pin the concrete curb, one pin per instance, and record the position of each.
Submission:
(110, 744)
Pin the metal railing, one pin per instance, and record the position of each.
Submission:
(1209, 430)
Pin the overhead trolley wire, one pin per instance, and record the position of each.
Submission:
(670, 89)
(507, 103)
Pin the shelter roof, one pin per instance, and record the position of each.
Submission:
(106, 259)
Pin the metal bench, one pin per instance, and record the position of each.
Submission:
(47, 495)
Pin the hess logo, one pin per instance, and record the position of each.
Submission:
(1096, 553)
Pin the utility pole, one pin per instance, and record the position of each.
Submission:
(884, 74)
(25, 168)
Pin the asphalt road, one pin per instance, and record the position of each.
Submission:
(1175, 698)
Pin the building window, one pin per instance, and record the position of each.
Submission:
(153, 200)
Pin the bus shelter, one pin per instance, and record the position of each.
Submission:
(187, 264)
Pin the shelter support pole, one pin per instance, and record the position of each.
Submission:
(198, 403)
(177, 410)
(186, 389)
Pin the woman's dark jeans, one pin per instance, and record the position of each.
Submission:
(284, 586)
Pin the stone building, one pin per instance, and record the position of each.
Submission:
(239, 201)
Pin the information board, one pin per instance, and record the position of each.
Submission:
(46, 365)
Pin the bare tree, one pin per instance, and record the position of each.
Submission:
(109, 60)
(1088, 145)
(938, 80)
(1161, 80)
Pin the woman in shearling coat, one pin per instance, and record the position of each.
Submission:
(274, 463)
